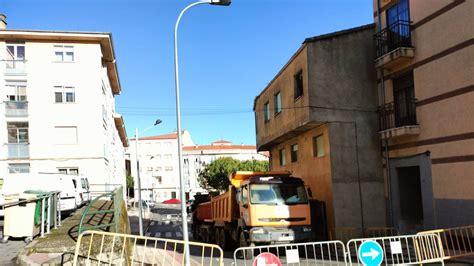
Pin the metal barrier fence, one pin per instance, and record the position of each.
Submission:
(402, 250)
(97, 248)
(315, 253)
(457, 242)
(116, 198)
(50, 212)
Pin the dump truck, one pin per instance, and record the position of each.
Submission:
(258, 208)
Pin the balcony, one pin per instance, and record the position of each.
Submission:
(398, 120)
(393, 45)
(15, 67)
(16, 109)
(18, 150)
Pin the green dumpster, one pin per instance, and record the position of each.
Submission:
(38, 194)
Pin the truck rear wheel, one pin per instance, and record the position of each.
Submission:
(222, 239)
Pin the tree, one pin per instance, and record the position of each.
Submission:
(215, 176)
(130, 183)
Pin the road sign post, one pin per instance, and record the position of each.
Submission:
(370, 253)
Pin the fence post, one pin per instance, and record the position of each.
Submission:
(48, 221)
(42, 216)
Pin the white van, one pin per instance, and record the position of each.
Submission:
(81, 184)
(19, 183)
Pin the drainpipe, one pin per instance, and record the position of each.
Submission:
(385, 142)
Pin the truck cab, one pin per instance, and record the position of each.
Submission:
(273, 207)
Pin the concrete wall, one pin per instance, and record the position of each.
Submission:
(294, 113)
(340, 90)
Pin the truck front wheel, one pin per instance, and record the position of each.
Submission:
(244, 242)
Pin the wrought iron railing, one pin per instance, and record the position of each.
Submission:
(394, 36)
(18, 150)
(392, 115)
(116, 197)
(16, 108)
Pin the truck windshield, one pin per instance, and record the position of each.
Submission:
(278, 194)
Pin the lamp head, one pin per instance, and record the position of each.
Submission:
(220, 2)
(158, 121)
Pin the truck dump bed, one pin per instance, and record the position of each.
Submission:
(224, 206)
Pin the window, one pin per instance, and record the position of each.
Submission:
(266, 112)
(64, 94)
(15, 58)
(281, 154)
(318, 146)
(149, 170)
(245, 194)
(158, 169)
(167, 145)
(158, 179)
(168, 156)
(69, 170)
(165, 194)
(298, 84)
(277, 103)
(18, 168)
(405, 102)
(16, 90)
(169, 168)
(398, 13)
(173, 195)
(294, 153)
(17, 132)
(158, 156)
(65, 135)
(64, 53)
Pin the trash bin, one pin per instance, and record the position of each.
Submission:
(19, 220)
(37, 194)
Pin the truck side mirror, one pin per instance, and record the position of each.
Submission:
(310, 193)
(245, 205)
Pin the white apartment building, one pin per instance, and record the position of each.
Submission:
(196, 157)
(158, 161)
(57, 108)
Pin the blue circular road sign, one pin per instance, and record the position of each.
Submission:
(370, 253)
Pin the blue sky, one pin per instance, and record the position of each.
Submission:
(227, 54)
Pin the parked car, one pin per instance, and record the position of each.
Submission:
(172, 201)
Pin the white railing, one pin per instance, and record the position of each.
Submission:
(16, 108)
(18, 150)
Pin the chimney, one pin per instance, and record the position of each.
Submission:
(3, 22)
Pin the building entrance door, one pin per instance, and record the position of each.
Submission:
(410, 200)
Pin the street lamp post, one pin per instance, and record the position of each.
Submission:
(140, 205)
(178, 122)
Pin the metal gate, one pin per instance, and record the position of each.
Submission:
(97, 248)
(457, 241)
(314, 253)
(401, 250)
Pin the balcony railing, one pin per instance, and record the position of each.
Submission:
(18, 150)
(15, 66)
(393, 116)
(16, 108)
(394, 36)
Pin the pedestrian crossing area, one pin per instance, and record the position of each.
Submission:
(165, 229)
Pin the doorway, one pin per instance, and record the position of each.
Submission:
(410, 200)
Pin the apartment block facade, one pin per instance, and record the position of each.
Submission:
(58, 105)
(158, 161)
(425, 63)
(318, 119)
(198, 156)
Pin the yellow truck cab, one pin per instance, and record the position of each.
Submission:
(273, 207)
(257, 208)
